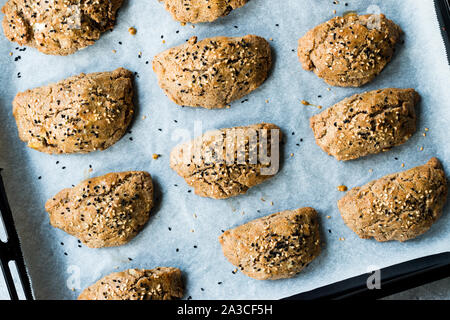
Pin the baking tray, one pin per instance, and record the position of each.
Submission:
(394, 279)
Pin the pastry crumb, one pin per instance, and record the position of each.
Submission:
(305, 103)
(132, 31)
(342, 188)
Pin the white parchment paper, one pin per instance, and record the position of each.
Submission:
(60, 267)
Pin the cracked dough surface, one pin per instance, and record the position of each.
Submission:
(195, 11)
(58, 27)
(274, 247)
(104, 211)
(400, 206)
(81, 114)
(217, 168)
(349, 51)
(367, 123)
(213, 72)
(163, 283)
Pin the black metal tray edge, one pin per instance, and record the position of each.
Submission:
(11, 251)
(443, 14)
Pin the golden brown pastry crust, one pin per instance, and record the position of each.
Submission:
(400, 206)
(195, 160)
(366, 123)
(274, 247)
(213, 72)
(162, 283)
(58, 27)
(349, 51)
(195, 11)
(81, 114)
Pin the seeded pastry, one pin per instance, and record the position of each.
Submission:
(227, 162)
(196, 11)
(58, 27)
(366, 123)
(137, 284)
(274, 247)
(105, 211)
(213, 72)
(81, 114)
(399, 206)
(349, 51)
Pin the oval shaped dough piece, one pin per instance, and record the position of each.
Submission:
(367, 123)
(81, 114)
(274, 247)
(105, 211)
(163, 283)
(399, 206)
(349, 51)
(213, 72)
(195, 11)
(58, 27)
(224, 163)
